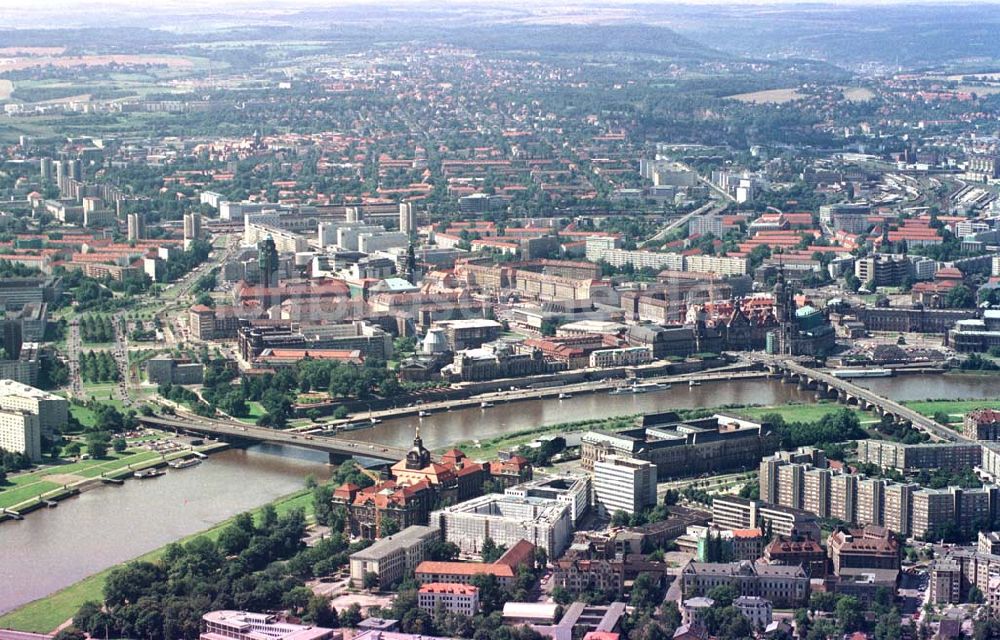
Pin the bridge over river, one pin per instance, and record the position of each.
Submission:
(850, 393)
(338, 449)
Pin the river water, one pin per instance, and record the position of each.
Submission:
(54, 548)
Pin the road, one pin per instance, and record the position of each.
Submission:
(73, 359)
(9, 634)
(120, 352)
(710, 208)
(173, 315)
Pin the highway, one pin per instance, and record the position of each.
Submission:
(661, 235)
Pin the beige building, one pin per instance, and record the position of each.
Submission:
(52, 410)
(20, 433)
(392, 557)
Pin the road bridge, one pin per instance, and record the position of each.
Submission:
(338, 449)
(849, 393)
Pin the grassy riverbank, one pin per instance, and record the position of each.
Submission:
(487, 449)
(45, 614)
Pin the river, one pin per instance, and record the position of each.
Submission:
(54, 548)
(446, 428)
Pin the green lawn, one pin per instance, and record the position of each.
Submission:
(45, 614)
(256, 411)
(84, 415)
(25, 486)
(488, 448)
(799, 412)
(954, 408)
(17, 495)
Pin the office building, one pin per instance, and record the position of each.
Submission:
(575, 491)
(851, 218)
(624, 484)
(267, 260)
(882, 270)
(469, 333)
(52, 410)
(242, 625)
(677, 447)
(392, 557)
(455, 598)
(34, 319)
(20, 433)
(506, 520)
(163, 370)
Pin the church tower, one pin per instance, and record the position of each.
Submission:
(418, 457)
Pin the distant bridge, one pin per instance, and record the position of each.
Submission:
(338, 449)
(850, 393)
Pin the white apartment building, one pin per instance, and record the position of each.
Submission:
(457, 598)
(624, 484)
(52, 410)
(722, 265)
(21, 433)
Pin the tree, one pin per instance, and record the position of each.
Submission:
(320, 613)
(646, 593)
(119, 445)
(322, 498)
(801, 622)
(97, 444)
(490, 552)
(960, 297)
(351, 616)
(440, 551)
(723, 595)
(370, 580)
(70, 633)
(823, 601)
(849, 614)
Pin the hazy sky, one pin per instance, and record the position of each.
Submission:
(188, 6)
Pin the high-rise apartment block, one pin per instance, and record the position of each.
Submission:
(900, 507)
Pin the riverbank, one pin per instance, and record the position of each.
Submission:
(48, 486)
(47, 614)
